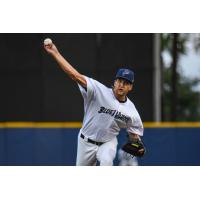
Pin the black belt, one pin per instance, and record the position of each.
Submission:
(92, 141)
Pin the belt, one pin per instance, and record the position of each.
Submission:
(91, 141)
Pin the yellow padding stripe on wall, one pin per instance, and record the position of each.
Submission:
(172, 124)
(40, 124)
(79, 124)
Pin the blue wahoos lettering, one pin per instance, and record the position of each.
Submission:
(115, 113)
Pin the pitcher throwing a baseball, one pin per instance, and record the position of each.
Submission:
(106, 111)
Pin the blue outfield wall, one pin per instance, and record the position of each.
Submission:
(57, 146)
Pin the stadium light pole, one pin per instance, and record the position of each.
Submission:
(157, 78)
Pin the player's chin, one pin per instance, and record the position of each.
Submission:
(120, 93)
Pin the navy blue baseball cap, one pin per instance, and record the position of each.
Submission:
(125, 74)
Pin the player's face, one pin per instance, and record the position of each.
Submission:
(122, 87)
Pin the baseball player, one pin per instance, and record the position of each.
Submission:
(106, 111)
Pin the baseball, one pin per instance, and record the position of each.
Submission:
(47, 41)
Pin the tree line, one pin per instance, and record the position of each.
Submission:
(180, 101)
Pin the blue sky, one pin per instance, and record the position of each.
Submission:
(190, 63)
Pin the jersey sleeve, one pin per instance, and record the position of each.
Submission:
(89, 91)
(135, 125)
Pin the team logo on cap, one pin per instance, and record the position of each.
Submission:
(125, 72)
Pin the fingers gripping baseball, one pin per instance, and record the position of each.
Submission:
(49, 46)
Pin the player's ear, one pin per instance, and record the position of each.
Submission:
(130, 87)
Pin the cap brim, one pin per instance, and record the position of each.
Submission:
(124, 79)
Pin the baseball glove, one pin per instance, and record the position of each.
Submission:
(135, 148)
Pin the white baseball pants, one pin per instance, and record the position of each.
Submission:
(88, 153)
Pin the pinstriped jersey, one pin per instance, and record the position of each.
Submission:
(104, 115)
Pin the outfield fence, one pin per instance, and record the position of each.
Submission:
(55, 143)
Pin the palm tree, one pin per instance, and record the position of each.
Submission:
(175, 38)
(175, 44)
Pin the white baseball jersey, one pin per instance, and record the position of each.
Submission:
(104, 115)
